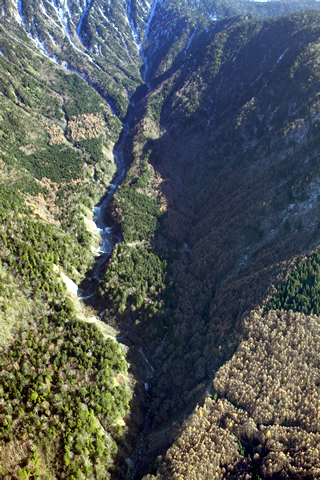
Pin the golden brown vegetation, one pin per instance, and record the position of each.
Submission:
(85, 126)
(275, 372)
(221, 441)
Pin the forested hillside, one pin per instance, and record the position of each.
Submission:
(237, 185)
(62, 394)
(186, 137)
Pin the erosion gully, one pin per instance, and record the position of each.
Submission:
(143, 370)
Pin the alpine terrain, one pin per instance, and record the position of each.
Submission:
(159, 239)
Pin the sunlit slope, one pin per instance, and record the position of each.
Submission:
(62, 384)
(114, 45)
(94, 40)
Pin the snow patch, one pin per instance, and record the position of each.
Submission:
(52, 39)
(40, 45)
(44, 11)
(221, 82)
(145, 358)
(146, 33)
(64, 15)
(254, 81)
(103, 15)
(84, 13)
(190, 40)
(127, 47)
(135, 33)
(20, 12)
(214, 17)
(280, 58)
(159, 349)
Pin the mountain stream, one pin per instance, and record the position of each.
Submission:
(109, 238)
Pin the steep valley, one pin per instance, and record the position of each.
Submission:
(190, 134)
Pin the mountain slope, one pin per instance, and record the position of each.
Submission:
(232, 145)
(173, 26)
(93, 40)
(62, 403)
(220, 128)
(108, 44)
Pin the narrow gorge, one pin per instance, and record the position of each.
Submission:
(159, 239)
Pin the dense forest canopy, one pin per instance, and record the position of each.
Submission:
(186, 136)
